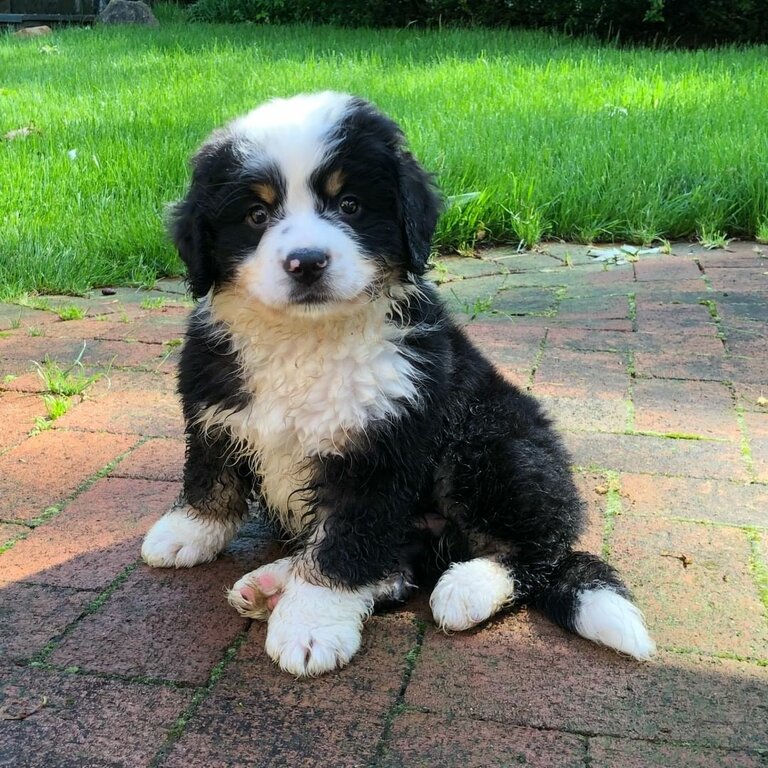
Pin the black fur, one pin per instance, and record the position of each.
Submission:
(473, 469)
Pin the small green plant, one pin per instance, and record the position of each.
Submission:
(762, 231)
(35, 330)
(9, 377)
(479, 306)
(712, 238)
(157, 303)
(71, 312)
(16, 323)
(56, 406)
(67, 382)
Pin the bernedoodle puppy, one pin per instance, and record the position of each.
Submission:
(322, 377)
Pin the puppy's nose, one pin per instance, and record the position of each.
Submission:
(306, 264)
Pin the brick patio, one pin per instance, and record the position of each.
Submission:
(656, 370)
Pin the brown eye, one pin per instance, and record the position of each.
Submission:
(349, 205)
(258, 215)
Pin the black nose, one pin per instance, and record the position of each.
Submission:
(306, 264)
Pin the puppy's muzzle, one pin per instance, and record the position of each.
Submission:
(306, 265)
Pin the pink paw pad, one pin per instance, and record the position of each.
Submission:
(267, 583)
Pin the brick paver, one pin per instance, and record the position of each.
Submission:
(656, 372)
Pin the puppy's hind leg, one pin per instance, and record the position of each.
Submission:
(208, 513)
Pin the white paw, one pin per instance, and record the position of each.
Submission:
(606, 617)
(180, 540)
(257, 593)
(469, 593)
(315, 629)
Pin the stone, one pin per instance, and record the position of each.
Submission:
(128, 12)
(39, 31)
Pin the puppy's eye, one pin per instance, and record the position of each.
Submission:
(349, 205)
(258, 215)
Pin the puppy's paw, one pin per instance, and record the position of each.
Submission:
(469, 593)
(315, 629)
(257, 593)
(180, 540)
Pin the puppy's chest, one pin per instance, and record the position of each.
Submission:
(307, 396)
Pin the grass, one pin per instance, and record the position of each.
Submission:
(65, 382)
(556, 137)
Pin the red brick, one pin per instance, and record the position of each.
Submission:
(702, 408)
(749, 377)
(589, 340)
(524, 301)
(697, 499)
(13, 316)
(593, 489)
(92, 539)
(739, 309)
(511, 349)
(563, 373)
(623, 753)
(657, 455)
(668, 268)
(709, 606)
(17, 415)
(170, 624)
(128, 412)
(334, 720)
(420, 740)
(747, 279)
(749, 342)
(48, 467)
(689, 290)
(586, 414)
(738, 254)
(757, 430)
(158, 459)
(23, 382)
(673, 365)
(524, 671)
(691, 342)
(71, 721)
(610, 313)
(33, 615)
(672, 318)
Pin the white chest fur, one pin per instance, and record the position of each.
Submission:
(312, 385)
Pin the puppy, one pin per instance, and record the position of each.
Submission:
(322, 377)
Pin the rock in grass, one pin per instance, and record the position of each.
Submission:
(38, 31)
(128, 12)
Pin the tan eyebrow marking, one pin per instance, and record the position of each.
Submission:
(334, 183)
(266, 192)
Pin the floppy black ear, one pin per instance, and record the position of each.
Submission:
(420, 208)
(189, 234)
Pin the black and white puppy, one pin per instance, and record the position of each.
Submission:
(322, 376)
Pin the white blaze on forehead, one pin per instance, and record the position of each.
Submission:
(293, 134)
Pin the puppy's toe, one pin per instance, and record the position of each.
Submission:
(469, 593)
(257, 593)
(181, 540)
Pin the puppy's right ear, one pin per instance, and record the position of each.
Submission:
(193, 242)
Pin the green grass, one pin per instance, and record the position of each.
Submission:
(65, 382)
(560, 138)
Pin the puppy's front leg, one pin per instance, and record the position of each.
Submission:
(209, 512)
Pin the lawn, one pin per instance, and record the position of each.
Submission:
(561, 138)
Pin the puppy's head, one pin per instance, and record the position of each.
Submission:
(304, 205)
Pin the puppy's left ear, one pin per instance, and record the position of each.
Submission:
(420, 208)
